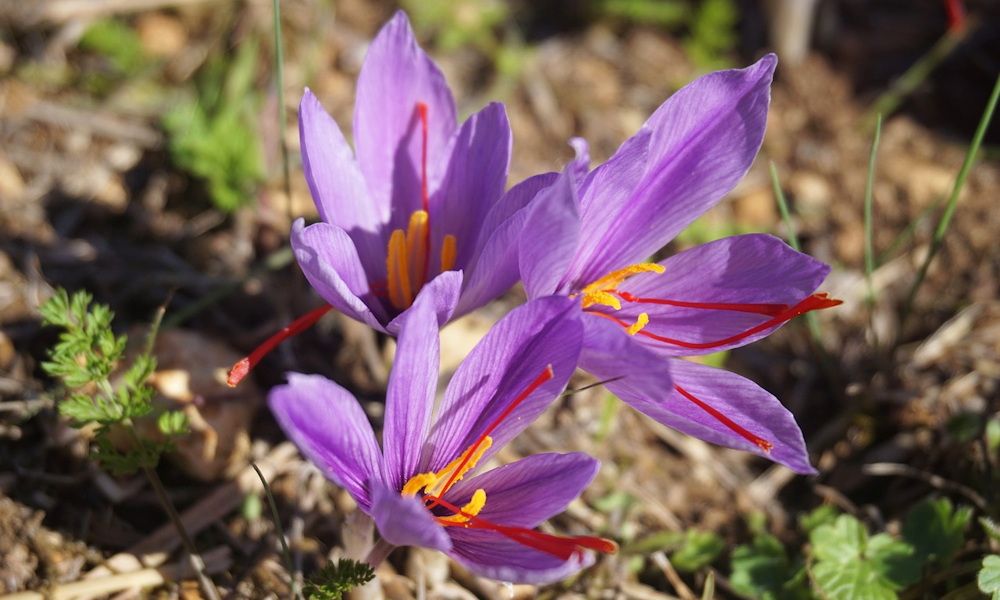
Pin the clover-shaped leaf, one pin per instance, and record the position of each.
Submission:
(763, 570)
(850, 565)
(989, 577)
(936, 529)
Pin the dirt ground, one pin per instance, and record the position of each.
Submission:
(90, 198)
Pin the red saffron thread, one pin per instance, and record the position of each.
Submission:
(544, 376)
(243, 367)
(717, 415)
(424, 197)
(813, 302)
(561, 547)
(760, 309)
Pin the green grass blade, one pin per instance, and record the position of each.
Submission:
(279, 59)
(909, 81)
(869, 245)
(793, 241)
(779, 195)
(285, 552)
(949, 209)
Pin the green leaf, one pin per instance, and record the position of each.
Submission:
(699, 550)
(116, 41)
(991, 527)
(850, 565)
(936, 529)
(763, 570)
(819, 516)
(334, 580)
(989, 577)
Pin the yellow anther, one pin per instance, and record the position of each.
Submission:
(471, 509)
(640, 322)
(416, 249)
(449, 252)
(400, 293)
(417, 483)
(601, 297)
(434, 484)
(597, 292)
(407, 263)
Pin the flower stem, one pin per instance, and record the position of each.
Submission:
(379, 552)
(197, 563)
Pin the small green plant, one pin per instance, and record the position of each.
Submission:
(989, 577)
(845, 560)
(118, 43)
(670, 13)
(334, 580)
(87, 358)
(215, 134)
(712, 34)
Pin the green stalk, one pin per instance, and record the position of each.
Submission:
(279, 59)
(949, 209)
(286, 553)
(869, 246)
(793, 241)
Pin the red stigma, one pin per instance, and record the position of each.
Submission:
(544, 376)
(242, 368)
(760, 309)
(956, 15)
(779, 314)
(737, 429)
(424, 197)
(562, 548)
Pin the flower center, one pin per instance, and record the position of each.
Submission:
(408, 264)
(605, 293)
(433, 486)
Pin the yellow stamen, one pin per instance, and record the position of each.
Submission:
(434, 484)
(407, 262)
(449, 252)
(597, 292)
(471, 509)
(640, 322)
(416, 248)
(400, 294)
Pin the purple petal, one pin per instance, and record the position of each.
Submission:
(442, 294)
(751, 413)
(405, 521)
(410, 396)
(473, 180)
(550, 236)
(327, 424)
(703, 140)
(529, 491)
(513, 354)
(491, 555)
(602, 195)
(630, 371)
(395, 77)
(743, 270)
(493, 269)
(335, 180)
(329, 260)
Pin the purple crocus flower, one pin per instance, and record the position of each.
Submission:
(415, 486)
(418, 207)
(419, 195)
(588, 236)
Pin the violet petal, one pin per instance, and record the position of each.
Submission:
(327, 424)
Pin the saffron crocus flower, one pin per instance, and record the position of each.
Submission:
(590, 233)
(418, 207)
(419, 195)
(418, 487)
